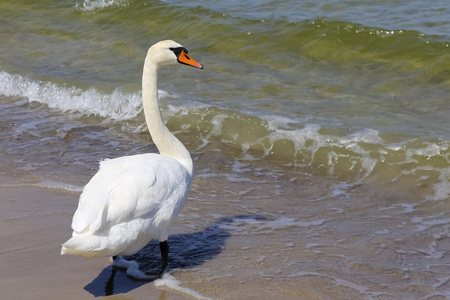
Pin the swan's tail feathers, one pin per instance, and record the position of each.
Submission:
(125, 239)
(85, 245)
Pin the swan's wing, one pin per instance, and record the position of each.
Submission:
(126, 188)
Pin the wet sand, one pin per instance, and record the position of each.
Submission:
(33, 223)
(241, 253)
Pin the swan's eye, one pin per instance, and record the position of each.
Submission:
(178, 51)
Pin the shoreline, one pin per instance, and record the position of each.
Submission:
(33, 223)
(259, 250)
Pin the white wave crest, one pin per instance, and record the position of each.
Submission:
(117, 105)
(88, 5)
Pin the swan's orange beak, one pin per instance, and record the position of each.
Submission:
(185, 59)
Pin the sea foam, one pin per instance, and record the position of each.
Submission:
(117, 106)
(245, 226)
(88, 5)
(172, 283)
(60, 186)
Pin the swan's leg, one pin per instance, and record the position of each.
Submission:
(109, 287)
(164, 246)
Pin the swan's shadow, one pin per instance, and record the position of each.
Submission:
(186, 251)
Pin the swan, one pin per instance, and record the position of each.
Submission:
(132, 200)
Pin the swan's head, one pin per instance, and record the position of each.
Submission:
(170, 52)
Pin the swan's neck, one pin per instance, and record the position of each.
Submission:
(164, 140)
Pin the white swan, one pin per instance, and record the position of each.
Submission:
(134, 199)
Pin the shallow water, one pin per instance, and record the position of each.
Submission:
(319, 132)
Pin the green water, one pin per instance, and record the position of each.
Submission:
(321, 91)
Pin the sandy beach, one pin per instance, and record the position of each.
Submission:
(233, 255)
(33, 223)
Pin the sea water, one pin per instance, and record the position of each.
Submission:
(319, 132)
